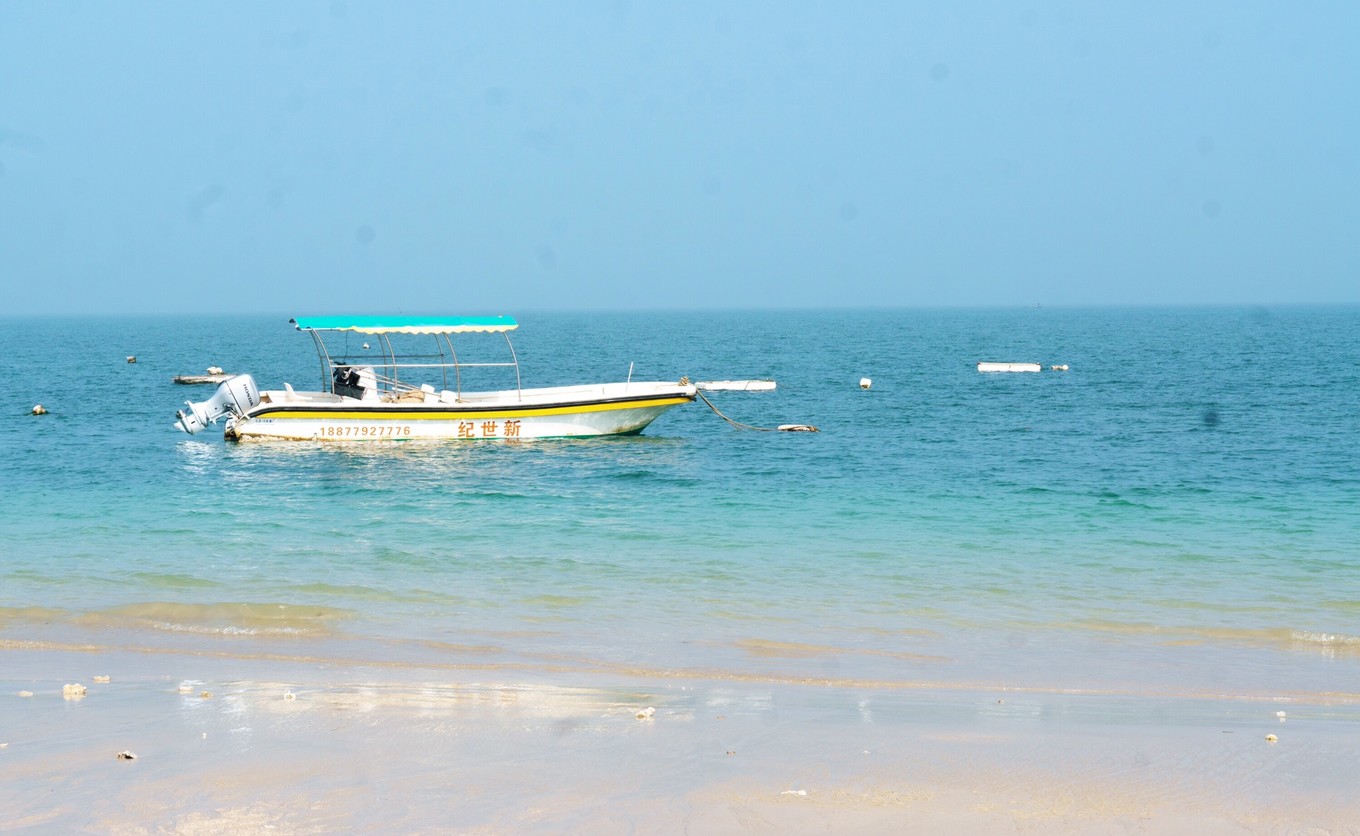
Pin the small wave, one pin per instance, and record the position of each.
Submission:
(1336, 643)
(496, 496)
(347, 590)
(626, 475)
(173, 581)
(30, 614)
(225, 619)
(1279, 637)
(797, 650)
(559, 600)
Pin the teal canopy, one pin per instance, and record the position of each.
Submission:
(407, 324)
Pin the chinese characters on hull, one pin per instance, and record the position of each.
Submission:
(489, 429)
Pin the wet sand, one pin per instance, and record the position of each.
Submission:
(285, 746)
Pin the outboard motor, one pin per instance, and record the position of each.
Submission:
(235, 396)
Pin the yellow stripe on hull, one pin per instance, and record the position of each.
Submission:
(444, 413)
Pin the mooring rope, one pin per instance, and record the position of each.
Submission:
(788, 428)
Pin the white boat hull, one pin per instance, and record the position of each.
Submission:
(561, 412)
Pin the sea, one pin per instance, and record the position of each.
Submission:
(1177, 512)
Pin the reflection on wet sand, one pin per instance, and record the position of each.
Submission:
(331, 752)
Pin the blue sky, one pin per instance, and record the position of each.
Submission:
(349, 156)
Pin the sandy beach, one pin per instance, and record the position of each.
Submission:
(242, 743)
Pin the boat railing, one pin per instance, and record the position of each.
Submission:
(393, 363)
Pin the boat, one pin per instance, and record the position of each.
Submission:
(377, 393)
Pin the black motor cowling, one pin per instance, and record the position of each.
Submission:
(347, 381)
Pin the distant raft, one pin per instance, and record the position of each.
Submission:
(214, 375)
(1009, 367)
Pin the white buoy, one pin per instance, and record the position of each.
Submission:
(39, 409)
(1061, 368)
(132, 358)
(865, 383)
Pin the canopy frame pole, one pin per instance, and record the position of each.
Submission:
(518, 389)
(326, 363)
(390, 361)
(457, 369)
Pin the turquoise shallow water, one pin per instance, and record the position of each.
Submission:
(1176, 511)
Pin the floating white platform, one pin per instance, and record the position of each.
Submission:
(1008, 367)
(735, 385)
